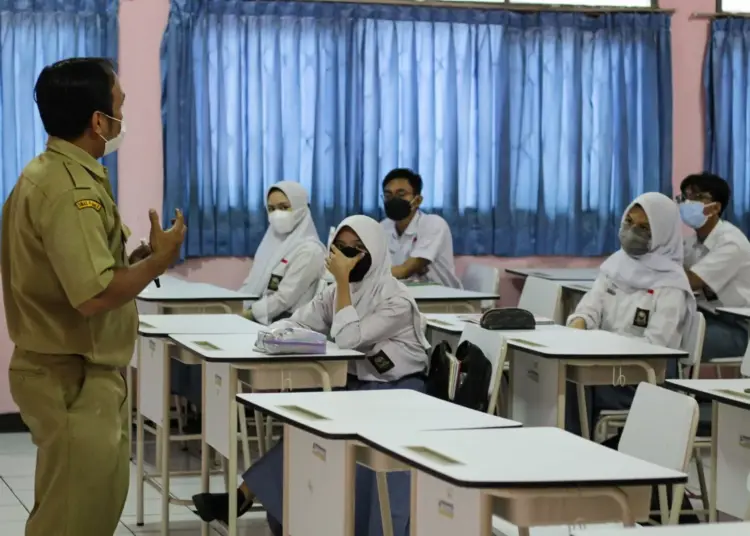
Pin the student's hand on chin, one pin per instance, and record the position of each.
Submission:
(340, 265)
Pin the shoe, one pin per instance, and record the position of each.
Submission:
(215, 506)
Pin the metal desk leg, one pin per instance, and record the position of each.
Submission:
(232, 480)
(583, 412)
(385, 503)
(163, 454)
(713, 491)
(561, 384)
(205, 454)
(139, 446)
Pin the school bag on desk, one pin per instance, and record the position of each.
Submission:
(462, 378)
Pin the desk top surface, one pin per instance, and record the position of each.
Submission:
(741, 312)
(731, 392)
(588, 344)
(557, 274)
(173, 289)
(163, 325)
(342, 414)
(454, 323)
(441, 293)
(517, 458)
(240, 348)
(702, 529)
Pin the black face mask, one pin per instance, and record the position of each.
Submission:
(361, 268)
(397, 209)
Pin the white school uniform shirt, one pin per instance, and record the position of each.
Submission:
(656, 315)
(382, 320)
(428, 237)
(722, 261)
(293, 283)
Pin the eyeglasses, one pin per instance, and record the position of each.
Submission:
(702, 197)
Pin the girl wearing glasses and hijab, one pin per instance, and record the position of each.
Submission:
(368, 310)
(642, 289)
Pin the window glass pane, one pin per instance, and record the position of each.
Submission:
(736, 6)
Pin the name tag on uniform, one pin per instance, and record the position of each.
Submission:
(381, 362)
(273, 283)
(88, 203)
(640, 320)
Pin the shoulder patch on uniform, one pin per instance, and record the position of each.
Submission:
(88, 203)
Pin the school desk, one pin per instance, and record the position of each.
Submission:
(154, 389)
(527, 476)
(321, 431)
(437, 298)
(543, 361)
(730, 442)
(223, 358)
(557, 274)
(702, 529)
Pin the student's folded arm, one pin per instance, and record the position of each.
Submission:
(412, 266)
(315, 316)
(77, 247)
(304, 270)
(591, 306)
(666, 319)
(717, 268)
(351, 332)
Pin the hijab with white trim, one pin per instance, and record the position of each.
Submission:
(275, 246)
(379, 284)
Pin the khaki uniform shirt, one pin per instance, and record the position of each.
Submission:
(62, 238)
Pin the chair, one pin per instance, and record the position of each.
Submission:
(492, 344)
(660, 430)
(694, 346)
(542, 297)
(482, 278)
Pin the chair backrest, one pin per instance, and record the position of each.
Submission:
(542, 297)
(694, 345)
(492, 344)
(745, 366)
(660, 427)
(482, 278)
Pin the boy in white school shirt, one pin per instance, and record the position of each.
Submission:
(717, 262)
(421, 245)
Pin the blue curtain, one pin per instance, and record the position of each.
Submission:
(34, 34)
(726, 77)
(532, 131)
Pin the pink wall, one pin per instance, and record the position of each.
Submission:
(141, 176)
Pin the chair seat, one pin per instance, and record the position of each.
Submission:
(725, 361)
(501, 527)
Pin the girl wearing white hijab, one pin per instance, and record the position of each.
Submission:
(366, 309)
(290, 259)
(642, 289)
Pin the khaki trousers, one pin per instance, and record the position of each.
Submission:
(76, 412)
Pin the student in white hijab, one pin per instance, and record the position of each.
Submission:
(290, 259)
(366, 309)
(642, 289)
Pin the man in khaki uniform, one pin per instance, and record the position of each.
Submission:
(69, 290)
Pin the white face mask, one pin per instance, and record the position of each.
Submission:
(110, 146)
(282, 221)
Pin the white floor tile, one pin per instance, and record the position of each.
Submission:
(12, 528)
(17, 444)
(20, 483)
(17, 465)
(14, 512)
(7, 497)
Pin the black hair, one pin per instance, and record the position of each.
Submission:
(415, 181)
(68, 93)
(708, 183)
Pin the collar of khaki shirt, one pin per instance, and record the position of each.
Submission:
(78, 155)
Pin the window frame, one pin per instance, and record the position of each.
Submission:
(721, 10)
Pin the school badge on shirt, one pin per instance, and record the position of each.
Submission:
(641, 318)
(273, 283)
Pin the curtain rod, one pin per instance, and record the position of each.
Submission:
(523, 8)
(718, 15)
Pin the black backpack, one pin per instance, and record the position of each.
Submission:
(463, 378)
